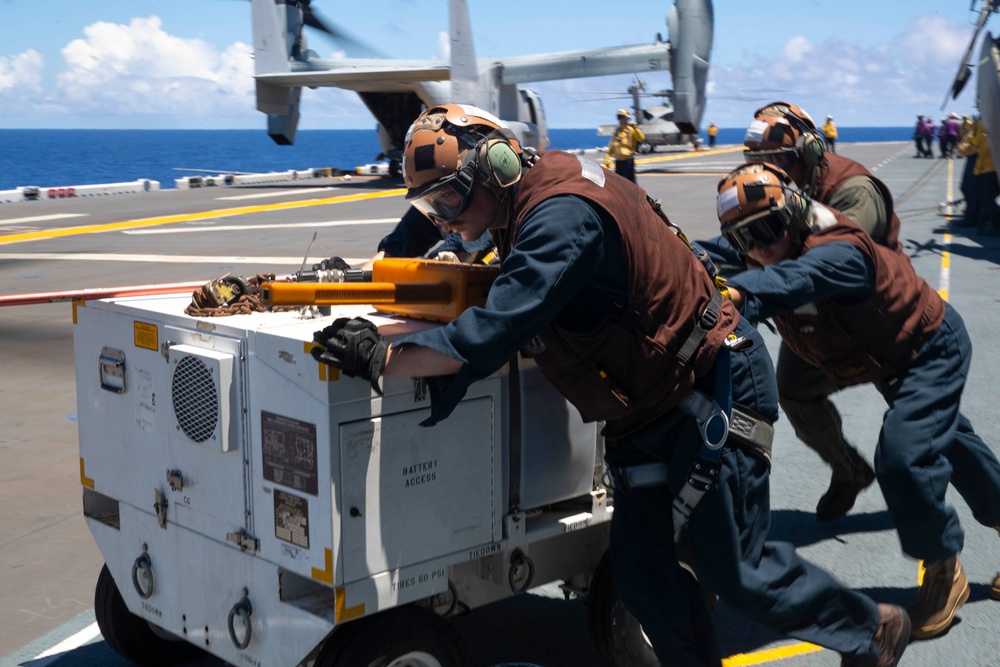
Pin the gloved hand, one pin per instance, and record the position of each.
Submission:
(447, 256)
(332, 263)
(355, 347)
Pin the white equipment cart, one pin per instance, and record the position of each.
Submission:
(255, 504)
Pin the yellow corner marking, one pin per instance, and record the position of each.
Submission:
(189, 217)
(327, 373)
(325, 575)
(86, 481)
(761, 657)
(77, 304)
(341, 611)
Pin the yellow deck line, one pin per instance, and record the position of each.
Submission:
(770, 655)
(682, 156)
(188, 217)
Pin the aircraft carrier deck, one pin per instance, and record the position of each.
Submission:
(49, 563)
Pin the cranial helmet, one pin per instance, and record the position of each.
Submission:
(757, 203)
(784, 130)
(451, 147)
(624, 113)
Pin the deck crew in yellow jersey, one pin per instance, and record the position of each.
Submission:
(623, 146)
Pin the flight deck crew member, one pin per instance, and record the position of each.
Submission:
(784, 135)
(859, 311)
(416, 236)
(627, 323)
(713, 132)
(624, 145)
(830, 134)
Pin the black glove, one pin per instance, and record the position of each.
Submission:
(354, 346)
(332, 263)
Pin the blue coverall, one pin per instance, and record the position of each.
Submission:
(925, 441)
(567, 266)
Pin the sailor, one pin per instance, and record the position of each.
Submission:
(713, 132)
(416, 236)
(628, 324)
(783, 134)
(859, 311)
(830, 134)
(624, 145)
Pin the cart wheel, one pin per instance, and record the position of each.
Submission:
(645, 147)
(617, 634)
(133, 637)
(402, 637)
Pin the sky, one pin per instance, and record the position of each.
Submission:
(186, 64)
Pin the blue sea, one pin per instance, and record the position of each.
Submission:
(54, 158)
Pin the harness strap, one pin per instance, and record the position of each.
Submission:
(705, 323)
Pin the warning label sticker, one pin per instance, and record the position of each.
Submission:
(288, 450)
(291, 518)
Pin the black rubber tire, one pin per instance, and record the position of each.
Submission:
(390, 635)
(130, 635)
(615, 631)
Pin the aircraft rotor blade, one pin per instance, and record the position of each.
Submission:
(964, 70)
(352, 46)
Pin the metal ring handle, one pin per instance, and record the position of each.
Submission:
(243, 609)
(143, 563)
(517, 559)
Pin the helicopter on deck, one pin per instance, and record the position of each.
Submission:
(656, 121)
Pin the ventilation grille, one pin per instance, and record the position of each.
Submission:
(196, 399)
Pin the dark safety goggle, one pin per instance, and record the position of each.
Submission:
(447, 199)
(766, 230)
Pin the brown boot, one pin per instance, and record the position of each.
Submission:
(995, 587)
(944, 590)
(891, 637)
(843, 492)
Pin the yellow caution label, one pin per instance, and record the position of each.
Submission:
(146, 335)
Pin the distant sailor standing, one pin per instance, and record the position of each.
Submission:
(830, 134)
(624, 145)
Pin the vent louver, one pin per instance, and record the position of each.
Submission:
(195, 398)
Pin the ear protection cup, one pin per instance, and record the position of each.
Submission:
(498, 162)
(810, 147)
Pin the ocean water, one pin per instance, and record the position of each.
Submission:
(53, 158)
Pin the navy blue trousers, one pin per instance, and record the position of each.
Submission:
(764, 580)
(926, 442)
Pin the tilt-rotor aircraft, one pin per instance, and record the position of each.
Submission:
(395, 91)
(988, 79)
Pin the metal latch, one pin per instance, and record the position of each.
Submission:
(244, 540)
(111, 367)
(175, 480)
(419, 390)
(161, 508)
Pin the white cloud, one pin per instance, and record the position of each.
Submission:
(901, 77)
(20, 77)
(139, 69)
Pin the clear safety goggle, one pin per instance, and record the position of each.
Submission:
(779, 157)
(766, 230)
(447, 200)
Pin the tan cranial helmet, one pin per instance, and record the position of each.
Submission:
(783, 128)
(756, 203)
(451, 147)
